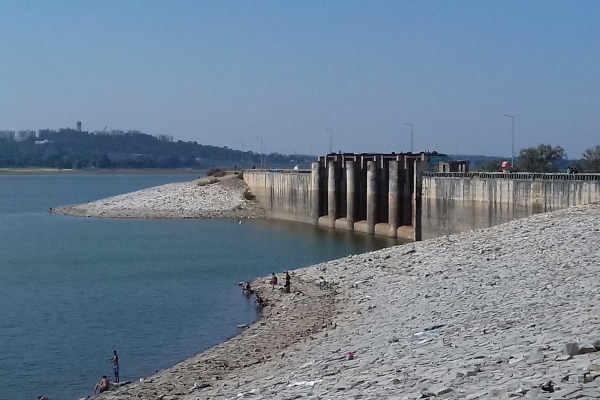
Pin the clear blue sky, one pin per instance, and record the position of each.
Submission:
(224, 73)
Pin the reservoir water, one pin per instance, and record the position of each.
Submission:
(74, 289)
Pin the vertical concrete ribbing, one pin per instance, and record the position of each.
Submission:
(331, 194)
(315, 184)
(371, 196)
(407, 194)
(417, 199)
(393, 198)
(350, 194)
(269, 191)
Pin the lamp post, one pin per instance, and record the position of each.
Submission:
(412, 134)
(512, 135)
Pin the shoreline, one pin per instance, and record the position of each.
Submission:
(285, 319)
(205, 198)
(477, 315)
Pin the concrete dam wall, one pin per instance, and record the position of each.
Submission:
(455, 202)
(392, 197)
(284, 194)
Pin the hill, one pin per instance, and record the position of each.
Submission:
(70, 148)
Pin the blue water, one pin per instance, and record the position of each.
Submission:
(74, 289)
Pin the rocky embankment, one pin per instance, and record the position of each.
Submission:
(506, 312)
(202, 198)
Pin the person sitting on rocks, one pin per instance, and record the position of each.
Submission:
(103, 386)
(273, 280)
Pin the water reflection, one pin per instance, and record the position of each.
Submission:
(354, 240)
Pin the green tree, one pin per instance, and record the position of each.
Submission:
(543, 158)
(591, 159)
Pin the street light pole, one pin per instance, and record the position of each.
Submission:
(512, 135)
(412, 134)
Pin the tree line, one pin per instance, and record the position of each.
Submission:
(546, 158)
(69, 148)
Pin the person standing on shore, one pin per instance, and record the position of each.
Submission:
(273, 280)
(115, 363)
(288, 284)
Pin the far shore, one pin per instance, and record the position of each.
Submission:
(141, 171)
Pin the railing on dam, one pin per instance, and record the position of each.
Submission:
(515, 175)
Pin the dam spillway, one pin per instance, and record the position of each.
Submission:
(376, 194)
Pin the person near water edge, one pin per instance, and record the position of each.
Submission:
(115, 363)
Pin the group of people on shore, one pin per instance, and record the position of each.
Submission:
(288, 282)
(104, 383)
(260, 302)
(247, 288)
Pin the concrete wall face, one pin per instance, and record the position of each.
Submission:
(286, 196)
(455, 204)
(538, 195)
(346, 192)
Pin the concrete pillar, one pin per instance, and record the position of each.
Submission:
(315, 184)
(393, 206)
(371, 196)
(407, 194)
(331, 195)
(350, 194)
(417, 200)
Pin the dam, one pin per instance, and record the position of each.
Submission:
(376, 194)
(399, 196)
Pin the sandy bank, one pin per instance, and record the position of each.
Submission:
(478, 315)
(202, 198)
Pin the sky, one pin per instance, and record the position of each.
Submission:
(294, 73)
